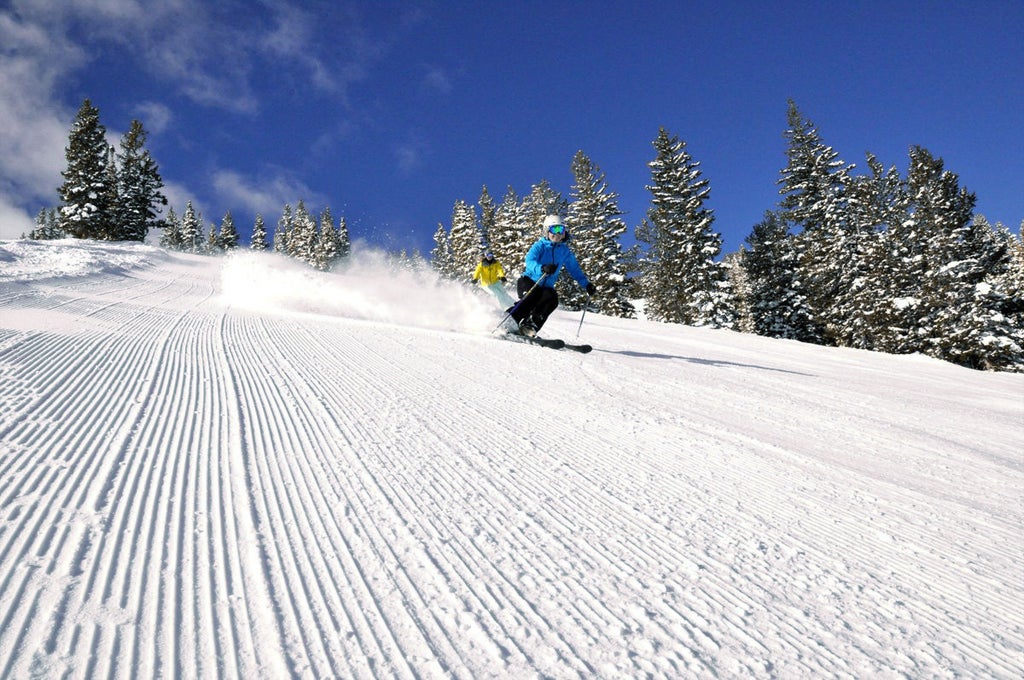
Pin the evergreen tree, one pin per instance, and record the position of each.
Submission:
(939, 212)
(487, 216)
(813, 186)
(877, 213)
(258, 242)
(47, 225)
(441, 255)
(465, 239)
(959, 300)
(596, 227)
(504, 236)
(172, 238)
(111, 230)
(328, 246)
(85, 186)
(778, 306)
(191, 230)
(282, 234)
(302, 240)
(681, 280)
(139, 187)
(741, 291)
(814, 181)
(982, 324)
(228, 237)
(344, 241)
(212, 246)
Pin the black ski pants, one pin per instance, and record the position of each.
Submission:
(538, 305)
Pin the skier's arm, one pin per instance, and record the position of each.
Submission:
(572, 266)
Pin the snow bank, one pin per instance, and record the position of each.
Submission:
(368, 287)
(28, 260)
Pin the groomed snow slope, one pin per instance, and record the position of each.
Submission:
(241, 468)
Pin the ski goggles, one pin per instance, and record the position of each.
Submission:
(556, 229)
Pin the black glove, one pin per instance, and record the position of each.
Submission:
(549, 268)
(591, 289)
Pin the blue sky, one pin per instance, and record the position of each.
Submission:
(389, 112)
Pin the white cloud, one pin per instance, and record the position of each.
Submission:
(35, 127)
(195, 48)
(438, 80)
(14, 222)
(264, 195)
(409, 155)
(155, 116)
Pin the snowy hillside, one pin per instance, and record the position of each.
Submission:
(243, 468)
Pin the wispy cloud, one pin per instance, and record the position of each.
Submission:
(438, 80)
(267, 194)
(155, 116)
(209, 53)
(409, 156)
(35, 126)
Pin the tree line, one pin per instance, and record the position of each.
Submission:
(318, 242)
(873, 261)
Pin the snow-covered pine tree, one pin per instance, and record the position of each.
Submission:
(739, 282)
(876, 212)
(111, 201)
(171, 239)
(191, 230)
(680, 278)
(504, 237)
(595, 225)
(487, 216)
(813, 187)
(212, 241)
(139, 187)
(960, 316)
(983, 326)
(344, 241)
(441, 255)
(328, 243)
(465, 238)
(228, 237)
(258, 242)
(47, 225)
(282, 234)
(303, 236)
(778, 306)
(83, 214)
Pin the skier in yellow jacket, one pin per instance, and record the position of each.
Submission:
(491, 276)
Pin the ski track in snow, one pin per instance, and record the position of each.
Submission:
(193, 489)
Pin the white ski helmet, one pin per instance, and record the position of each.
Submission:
(552, 221)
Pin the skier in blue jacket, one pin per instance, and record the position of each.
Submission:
(536, 287)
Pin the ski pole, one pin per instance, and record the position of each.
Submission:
(584, 314)
(516, 305)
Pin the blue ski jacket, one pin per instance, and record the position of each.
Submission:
(545, 251)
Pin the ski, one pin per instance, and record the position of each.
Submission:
(543, 342)
(582, 349)
(550, 343)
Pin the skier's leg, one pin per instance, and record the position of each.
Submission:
(504, 299)
(525, 306)
(547, 302)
